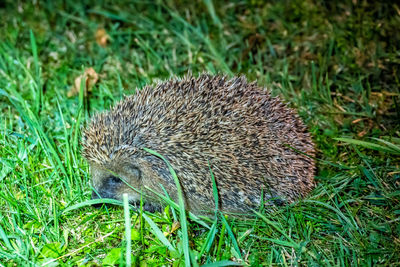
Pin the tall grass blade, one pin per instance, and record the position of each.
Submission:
(232, 237)
(127, 230)
(390, 149)
(182, 212)
(209, 240)
(222, 263)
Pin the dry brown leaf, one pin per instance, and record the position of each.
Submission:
(357, 120)
(362, 133)
(90, 77)
(102, 37)
(367, 128)
(175, 226)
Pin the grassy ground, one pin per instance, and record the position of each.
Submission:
(338, 64)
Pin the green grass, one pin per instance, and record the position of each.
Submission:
(338, 64)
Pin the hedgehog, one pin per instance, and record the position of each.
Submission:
(255, 147)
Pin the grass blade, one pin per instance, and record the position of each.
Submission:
(390, 145)
(127, 230)
(209, 240)
(215, 190)
(182, 211)
(3, 236)
(222, 263)
(156, 231)
(170, 202)
(231, 236)
(369, 145)
(276, 227)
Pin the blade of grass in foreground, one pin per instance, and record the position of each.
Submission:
(390, 145)
(4, 236)
(232, 237)
(209, 240)
(36, 128)
(389, 149)
(215, 190)
(172, 208)
(336, 210)
(155, 230)
(289, 243)
(170, 202)
(222, 263)
(221, 241)
(127, 230)
(182, 212)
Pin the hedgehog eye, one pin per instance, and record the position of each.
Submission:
(133, 171)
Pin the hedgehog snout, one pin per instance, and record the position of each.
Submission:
(115, 179)
(107, 189)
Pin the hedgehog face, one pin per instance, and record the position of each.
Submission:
(113, 182)
(109, 182)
